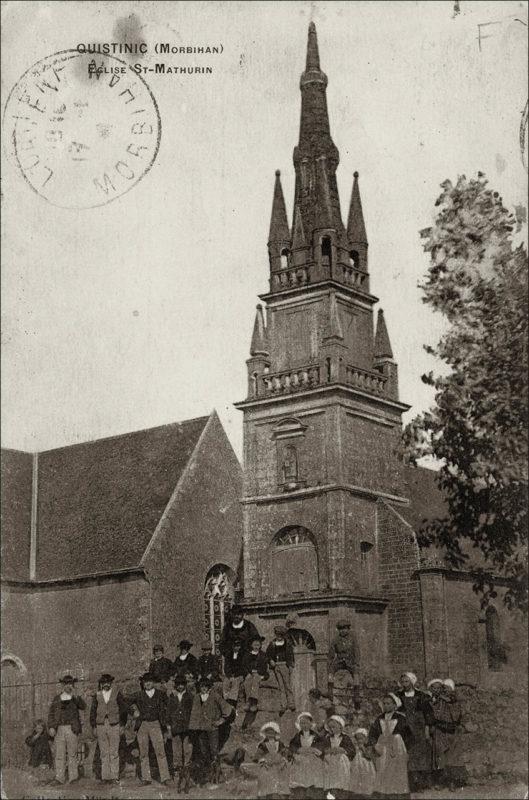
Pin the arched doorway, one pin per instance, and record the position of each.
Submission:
(219, 593)
(294, 561)
(304, 674)
(17, 710)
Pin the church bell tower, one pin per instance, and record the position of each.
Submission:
(322, 418)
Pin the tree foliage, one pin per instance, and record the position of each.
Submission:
(477, 429)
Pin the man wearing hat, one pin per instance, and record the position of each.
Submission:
(185, 661)
(179, 704)
(108, 717)
(344, 655)
(208, 713)
(210, 665)
(64, 724)
(280, 655)
(152, 706)
(160, 667)
(237, 628)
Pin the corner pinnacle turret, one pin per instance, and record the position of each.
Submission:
(279, 230)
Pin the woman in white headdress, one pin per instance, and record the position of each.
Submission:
(273, 759)
(306, 748)
(338, 750)
(447, 764)
(362, 773)
(418, 710)
(390, 736)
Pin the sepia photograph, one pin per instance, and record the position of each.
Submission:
(264, 399)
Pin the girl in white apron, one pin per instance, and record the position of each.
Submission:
(306, 748)
(389, 735)
(363, 775)
(272, 758)
(338, 752)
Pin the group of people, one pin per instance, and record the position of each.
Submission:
(175, 727)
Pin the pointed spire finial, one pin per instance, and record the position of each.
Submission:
(259, 345)
(298, 232)
(313, 56)
(356, 229)
(279, 230)
(382, 344)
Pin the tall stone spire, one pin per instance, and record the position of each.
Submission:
(279, 231)
(315, 161)
(313, 56)
(383, 351)
(259, 345)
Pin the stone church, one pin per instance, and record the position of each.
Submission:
(110, 546)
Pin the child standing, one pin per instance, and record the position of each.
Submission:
(390, 736)
(39, 745)
(255, 670)
(272, 757)
(280, 655)
(306, 749)
(363, 775)
(338, 752)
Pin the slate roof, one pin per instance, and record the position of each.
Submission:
(426, 499)
(16, 513)
(98, 502)
(427, 502)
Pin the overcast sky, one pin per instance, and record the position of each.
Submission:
(140, 312)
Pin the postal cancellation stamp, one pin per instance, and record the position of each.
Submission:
(82, 132)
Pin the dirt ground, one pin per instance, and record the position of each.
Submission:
(18, 784)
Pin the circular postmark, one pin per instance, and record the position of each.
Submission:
(82, 132)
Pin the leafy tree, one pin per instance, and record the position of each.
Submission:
(477, 429)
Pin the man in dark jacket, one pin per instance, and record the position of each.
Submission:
(179, 704)
(237, 628)
(64, 724)
(152, 707)
(255, 670)
(185, 662)
(161, 668)
(280, 654)
(210, 665)
(234, 672)
(108, 717)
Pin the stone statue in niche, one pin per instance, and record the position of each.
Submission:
(289, 467)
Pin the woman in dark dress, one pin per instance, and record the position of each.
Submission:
(418, 711)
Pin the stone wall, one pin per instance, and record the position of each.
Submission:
(83, 628)
(398, 560)
(202, 527)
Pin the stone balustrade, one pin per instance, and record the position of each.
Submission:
(290, 278)
(368, 381)
(302, 378)
(354, 277)
(295, 380)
